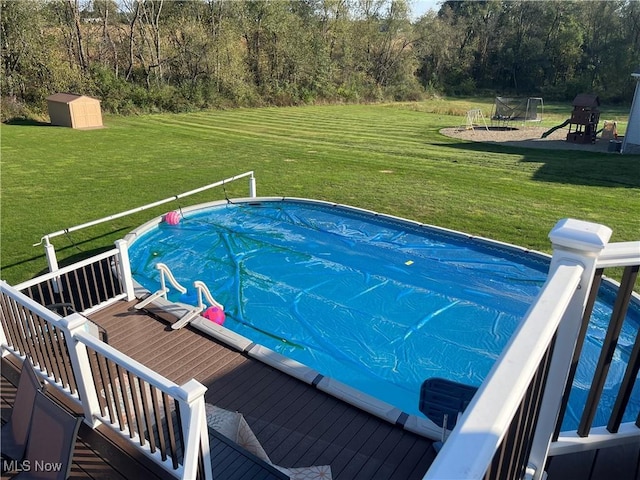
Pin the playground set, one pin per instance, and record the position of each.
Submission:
(583, 124)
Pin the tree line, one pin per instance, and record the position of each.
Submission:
(162, 55)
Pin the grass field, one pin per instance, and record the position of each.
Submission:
(389, 158)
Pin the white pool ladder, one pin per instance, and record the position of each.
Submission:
(193, 312)
(186, 318)
(189, 317)
(204, 290)
(164, 271)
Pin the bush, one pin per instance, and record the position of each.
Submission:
(13, 109)
(409, 91)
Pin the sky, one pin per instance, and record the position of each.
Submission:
(420, 7)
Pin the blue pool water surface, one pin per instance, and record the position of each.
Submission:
(377, 303)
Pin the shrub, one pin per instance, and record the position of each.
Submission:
(13, 109)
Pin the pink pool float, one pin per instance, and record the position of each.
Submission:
(215, 314)
(172, 218)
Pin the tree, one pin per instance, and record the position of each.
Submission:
(446, 49)
(106, 13)
(35, 61)
(21, 28)
(185, 54)
(76, 31)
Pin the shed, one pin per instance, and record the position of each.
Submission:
(631, 140)
(75, 111)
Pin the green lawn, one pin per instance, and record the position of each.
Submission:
(388, 158)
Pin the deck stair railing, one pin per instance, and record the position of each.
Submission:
(164, 420)
(514, 417)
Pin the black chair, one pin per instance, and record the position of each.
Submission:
(16, 431)
(440, 397)
(52, 439)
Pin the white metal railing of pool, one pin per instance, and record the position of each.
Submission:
(511, 419)
(50, 250)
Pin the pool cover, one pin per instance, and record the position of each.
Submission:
(377, 303)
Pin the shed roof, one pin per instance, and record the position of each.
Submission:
(636, 74)
(67, 97)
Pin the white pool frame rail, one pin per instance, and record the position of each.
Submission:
(49, 249)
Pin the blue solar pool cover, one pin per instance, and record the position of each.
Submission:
(379, 304)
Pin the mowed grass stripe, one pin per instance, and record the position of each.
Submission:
(314, 120)
(389, 158)
(373, 143)
(336, 132)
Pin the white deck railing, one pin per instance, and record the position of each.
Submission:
(510, 423)
(164, 420)
(87, 285)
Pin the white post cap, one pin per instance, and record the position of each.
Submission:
(580, 235)
(73, 321)
(189, 391)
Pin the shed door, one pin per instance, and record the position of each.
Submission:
(87, 114)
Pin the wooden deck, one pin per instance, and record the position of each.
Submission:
(297, 424)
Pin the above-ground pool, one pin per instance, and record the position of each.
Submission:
(378, 303)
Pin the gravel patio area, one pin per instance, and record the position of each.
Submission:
(524, 137)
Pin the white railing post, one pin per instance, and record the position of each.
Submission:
(194, 428)
(50, 253)
(3, 338)
(81, 367)
(125, 269)
(52, 261)
(574, 242)
(252, 186)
